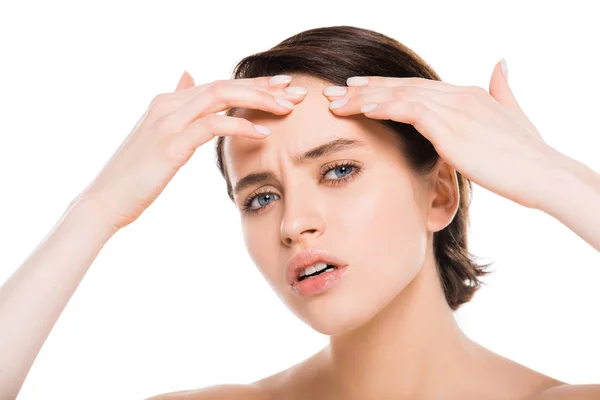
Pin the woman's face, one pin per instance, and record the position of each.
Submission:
(374, 216)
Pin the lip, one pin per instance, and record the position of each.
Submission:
(309, 257)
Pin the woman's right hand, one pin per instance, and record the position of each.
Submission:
(167, 135)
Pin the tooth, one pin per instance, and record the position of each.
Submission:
(320, 266)
(310, 270)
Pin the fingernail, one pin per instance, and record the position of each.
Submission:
(357, 81)
(368, 108)
(337, 103)
(295, 90)
(284, 102)
(279, 79)
(504, 68)
(334, 91)
(262, 129)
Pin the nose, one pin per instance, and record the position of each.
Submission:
(302, 218)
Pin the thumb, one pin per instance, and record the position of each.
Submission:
(186, 81)
(500, 90)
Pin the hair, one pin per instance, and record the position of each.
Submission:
(336, 53)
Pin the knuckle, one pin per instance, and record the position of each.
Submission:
(478, 91)
(210, 90)
(175, 152)
(401, 92)
(266, 98)
(211, 121)
(397, 93)
(416, 109)
(159, 98)
(466, 97)
(160, 104)
(217, 88)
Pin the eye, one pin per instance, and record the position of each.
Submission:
(348, 171)
(342, 167)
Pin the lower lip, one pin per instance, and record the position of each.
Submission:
(319, 283)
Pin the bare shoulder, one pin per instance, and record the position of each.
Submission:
(570, 392)
(272, 387)
(217, 392)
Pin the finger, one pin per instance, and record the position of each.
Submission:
(276, 82)
(270, 80)
(204, 129)
(368, 81)
(221, 96)
(438, 102)
(186, 81)
(419, 115)
(444, 100)
(501, 91)
(405, 89)
(167, 103)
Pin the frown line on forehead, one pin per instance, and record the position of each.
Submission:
(322, 150)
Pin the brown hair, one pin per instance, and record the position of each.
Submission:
(336, 53)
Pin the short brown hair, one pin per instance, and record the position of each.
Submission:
(336, 53)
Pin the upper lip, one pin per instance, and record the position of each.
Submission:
(307, 258)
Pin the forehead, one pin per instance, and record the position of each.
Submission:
(308, 125)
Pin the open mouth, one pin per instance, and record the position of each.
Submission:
(330, 267)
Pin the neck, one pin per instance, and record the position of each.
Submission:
(413, 347)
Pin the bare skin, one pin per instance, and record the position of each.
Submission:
(163, 140)
(495, 377)
(397, 339)
(405, 346)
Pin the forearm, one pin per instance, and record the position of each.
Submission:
(572, 196)
(35, 295)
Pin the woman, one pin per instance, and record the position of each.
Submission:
(377, 152)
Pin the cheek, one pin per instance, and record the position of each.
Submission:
(387, 227)
(261, 242)
(386, 243)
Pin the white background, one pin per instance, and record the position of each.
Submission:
(173, 301)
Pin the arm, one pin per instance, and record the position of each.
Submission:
(33, 298)
(571, 194)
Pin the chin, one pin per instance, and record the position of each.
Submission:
(353, 303)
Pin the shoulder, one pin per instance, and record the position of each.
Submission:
(271, 387)
(217, 392)
(569, 392)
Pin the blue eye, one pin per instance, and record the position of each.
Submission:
(344, 167)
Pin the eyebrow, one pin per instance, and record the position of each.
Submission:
(322, 150)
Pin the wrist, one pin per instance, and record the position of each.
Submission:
(567, 177)
(88, 214)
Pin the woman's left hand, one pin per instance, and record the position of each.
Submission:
(485, 136)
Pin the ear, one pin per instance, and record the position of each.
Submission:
(444, 197)
(185, 82)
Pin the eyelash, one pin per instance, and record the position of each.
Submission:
(356, 170)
